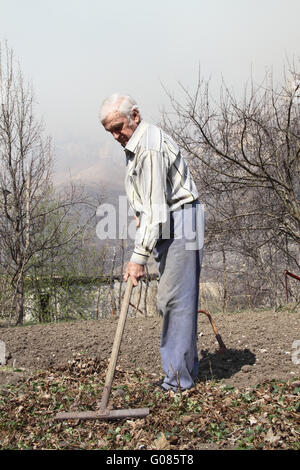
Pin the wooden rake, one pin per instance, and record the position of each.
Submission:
(104, 413)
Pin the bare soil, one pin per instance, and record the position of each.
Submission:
(259, 346)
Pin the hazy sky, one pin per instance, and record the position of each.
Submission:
(76, 52)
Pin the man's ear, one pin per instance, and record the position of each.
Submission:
(135, 116)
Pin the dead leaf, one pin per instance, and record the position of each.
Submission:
(296, 384)
(227, 401)
(186, 419)
(262, 419)
(271, 438)
(161, 443)
(252, 420)
(20, 408)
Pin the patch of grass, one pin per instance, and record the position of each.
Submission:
(228, 388)
(218, 431)
(193, 406)
(247, 397)
(7, 368)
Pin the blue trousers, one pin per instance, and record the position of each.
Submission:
(179, 258)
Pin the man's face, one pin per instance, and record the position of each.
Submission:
(120, 127)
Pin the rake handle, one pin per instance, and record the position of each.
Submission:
(116, 346)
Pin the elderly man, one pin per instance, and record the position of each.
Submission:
(170, 225)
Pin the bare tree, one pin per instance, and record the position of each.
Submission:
(245, 157)
(253, 144)
(33, 216)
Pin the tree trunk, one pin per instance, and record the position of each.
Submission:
(20, 302)
(225, 295)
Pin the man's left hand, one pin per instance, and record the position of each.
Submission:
(135, 271)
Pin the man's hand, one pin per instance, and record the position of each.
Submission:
(135, 271)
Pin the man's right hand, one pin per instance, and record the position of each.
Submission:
(135, 271)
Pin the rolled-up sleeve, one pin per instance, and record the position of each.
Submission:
(151, 183)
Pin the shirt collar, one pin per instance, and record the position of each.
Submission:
(134, 139)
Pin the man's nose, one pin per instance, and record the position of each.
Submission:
(116, 135)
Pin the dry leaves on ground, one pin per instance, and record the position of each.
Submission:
(265, 416)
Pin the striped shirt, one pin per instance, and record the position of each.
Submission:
(157, 181)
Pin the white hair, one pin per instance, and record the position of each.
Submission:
(124, 104)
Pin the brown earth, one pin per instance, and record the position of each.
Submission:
(259, 346)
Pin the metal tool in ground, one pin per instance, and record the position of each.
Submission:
(222, 348)
(105, 413)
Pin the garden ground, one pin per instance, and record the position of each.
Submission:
(247, 397)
